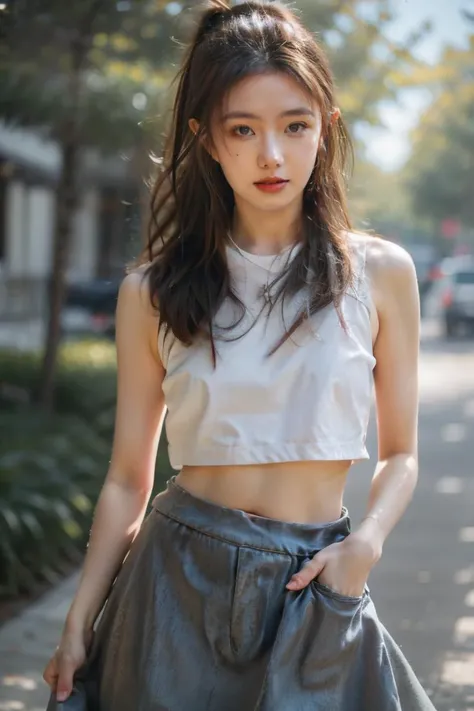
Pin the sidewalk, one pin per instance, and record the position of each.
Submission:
(26, 643)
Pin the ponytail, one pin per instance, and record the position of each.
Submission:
(210, 18)
(192, 203)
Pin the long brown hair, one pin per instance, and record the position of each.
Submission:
(192, 202)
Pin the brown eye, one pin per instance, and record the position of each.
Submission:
(242, 131)
(299, 125)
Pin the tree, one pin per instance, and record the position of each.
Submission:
(82, 73)
(378, 200)
(369, 67)
(440, 172)
(87, 73)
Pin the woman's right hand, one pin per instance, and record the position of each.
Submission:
(69, 656)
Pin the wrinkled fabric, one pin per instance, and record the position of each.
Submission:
(80, 700)
(199, 619)
(310, 400)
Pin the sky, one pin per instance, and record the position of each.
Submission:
(390, 147)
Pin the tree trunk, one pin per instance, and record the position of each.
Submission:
(67, 198)
(66, 203)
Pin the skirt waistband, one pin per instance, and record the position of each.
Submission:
(242, 529)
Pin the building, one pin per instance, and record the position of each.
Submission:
(106, 226)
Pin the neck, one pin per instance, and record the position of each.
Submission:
(266, 233)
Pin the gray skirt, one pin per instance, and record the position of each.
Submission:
(199, 619)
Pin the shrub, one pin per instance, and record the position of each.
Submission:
(52, 468)
(50, 475)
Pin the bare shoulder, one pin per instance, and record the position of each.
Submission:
(136, 316)
(384, 257)
(390, 270)
(388, 259)
(134, 292)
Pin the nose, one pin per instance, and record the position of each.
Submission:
(270, 154)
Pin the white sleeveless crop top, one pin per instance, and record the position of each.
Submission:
(310, 400)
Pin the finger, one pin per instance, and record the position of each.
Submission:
(65, 680)
(50, 674)
(308, 572)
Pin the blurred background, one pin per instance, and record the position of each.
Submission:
(85, 95)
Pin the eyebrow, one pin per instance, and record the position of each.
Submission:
(298, 111)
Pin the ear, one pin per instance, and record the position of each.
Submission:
(194, 127)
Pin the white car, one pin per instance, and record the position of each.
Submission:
(452, 296)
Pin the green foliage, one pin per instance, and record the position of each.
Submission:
(440, 173)
(82, 366)
(50, 472)
(52, 468)
(129, 48)
(377, 198)
(367, 65)
(59, 61)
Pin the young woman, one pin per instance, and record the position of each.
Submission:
(260, 321)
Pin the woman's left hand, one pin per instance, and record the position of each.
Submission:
(344, 567)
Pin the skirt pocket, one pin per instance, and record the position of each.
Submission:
(334, 634)
(325, 590)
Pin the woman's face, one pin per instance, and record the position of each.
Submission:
(268, 127)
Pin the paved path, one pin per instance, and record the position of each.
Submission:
(25, 646)
(424, 585)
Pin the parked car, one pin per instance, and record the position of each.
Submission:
(456, 295)
(89, 308)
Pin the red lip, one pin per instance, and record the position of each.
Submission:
(271, 181)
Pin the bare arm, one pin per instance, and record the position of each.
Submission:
(139, 418)
(396, 386)
(345, 566)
